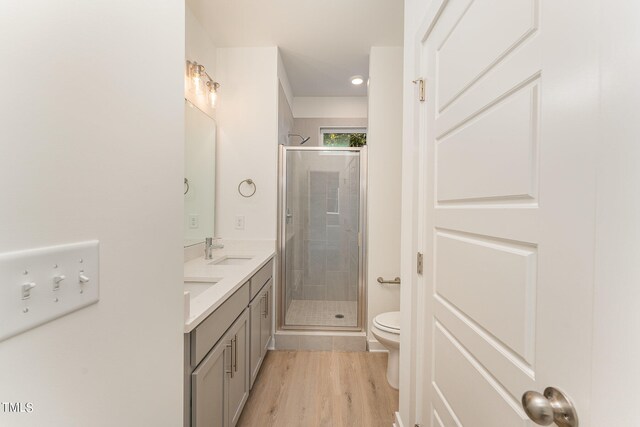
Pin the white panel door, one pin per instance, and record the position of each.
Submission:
(508, 188)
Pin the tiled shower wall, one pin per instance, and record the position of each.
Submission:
(322, 234)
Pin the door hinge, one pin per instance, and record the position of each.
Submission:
(420, 262)
(421, 89)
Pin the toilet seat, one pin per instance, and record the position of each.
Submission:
(388, 322)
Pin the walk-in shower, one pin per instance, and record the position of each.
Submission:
(321, 232)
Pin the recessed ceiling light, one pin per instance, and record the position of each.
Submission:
(357, 80)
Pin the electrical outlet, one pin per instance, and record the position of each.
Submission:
(194, 221)
(240, 222)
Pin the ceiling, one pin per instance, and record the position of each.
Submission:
(323, 42)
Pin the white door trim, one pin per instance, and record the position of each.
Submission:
(412, 295)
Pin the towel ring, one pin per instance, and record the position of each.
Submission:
(249, 181)
(186, 182)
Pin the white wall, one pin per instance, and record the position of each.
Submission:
(247, 115)
(384, 142)
(329, 107)
(284, 80)
(91, 147)
(616, 315)
(285, 117)
(199, 48)
(285, 99)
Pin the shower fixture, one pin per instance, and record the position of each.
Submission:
(302, 137)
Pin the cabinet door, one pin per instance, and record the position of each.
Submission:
(208, 389)
(267, 322)
(256, 313)
(238, 390)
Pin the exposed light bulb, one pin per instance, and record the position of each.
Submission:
(198, 84)
(213, 92)
(213, 96)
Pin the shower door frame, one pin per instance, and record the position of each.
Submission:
(282, 238)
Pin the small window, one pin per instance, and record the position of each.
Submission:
(343, 137)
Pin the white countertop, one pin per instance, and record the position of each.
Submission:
(232, 277)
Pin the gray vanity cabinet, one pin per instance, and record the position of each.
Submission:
(238, 379)
(256, 309)
(261, 326)
(224, 352)
(208, 382)
(266, 325)
(219, 386)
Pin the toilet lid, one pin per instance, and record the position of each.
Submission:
(389, 322)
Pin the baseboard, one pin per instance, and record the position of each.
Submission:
(375, 346)
(398, 420)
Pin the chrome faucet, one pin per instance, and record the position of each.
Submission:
(209, 245)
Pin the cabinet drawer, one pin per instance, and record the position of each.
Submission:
(261, 277)
(204, 337)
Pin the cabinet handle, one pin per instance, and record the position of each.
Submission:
(264, 312)
(235, 353)
(230, 371)
(266, 296)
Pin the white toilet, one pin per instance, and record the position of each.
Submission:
(386, 329)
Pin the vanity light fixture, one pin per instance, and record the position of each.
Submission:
(202, 82)
(213, 92)
(197, 73)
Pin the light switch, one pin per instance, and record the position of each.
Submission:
(82, 278)
(57, 280)
(34, 288)
(26, 289)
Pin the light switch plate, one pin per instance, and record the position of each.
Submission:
(59, 280)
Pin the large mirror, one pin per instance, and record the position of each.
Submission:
(200, 175)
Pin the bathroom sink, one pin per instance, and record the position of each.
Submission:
(197, 285)
(231, 260)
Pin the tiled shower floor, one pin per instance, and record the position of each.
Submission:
(322, 313)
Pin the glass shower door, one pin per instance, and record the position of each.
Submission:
(320, 233)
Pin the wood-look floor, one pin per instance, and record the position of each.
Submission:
(321, 388)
